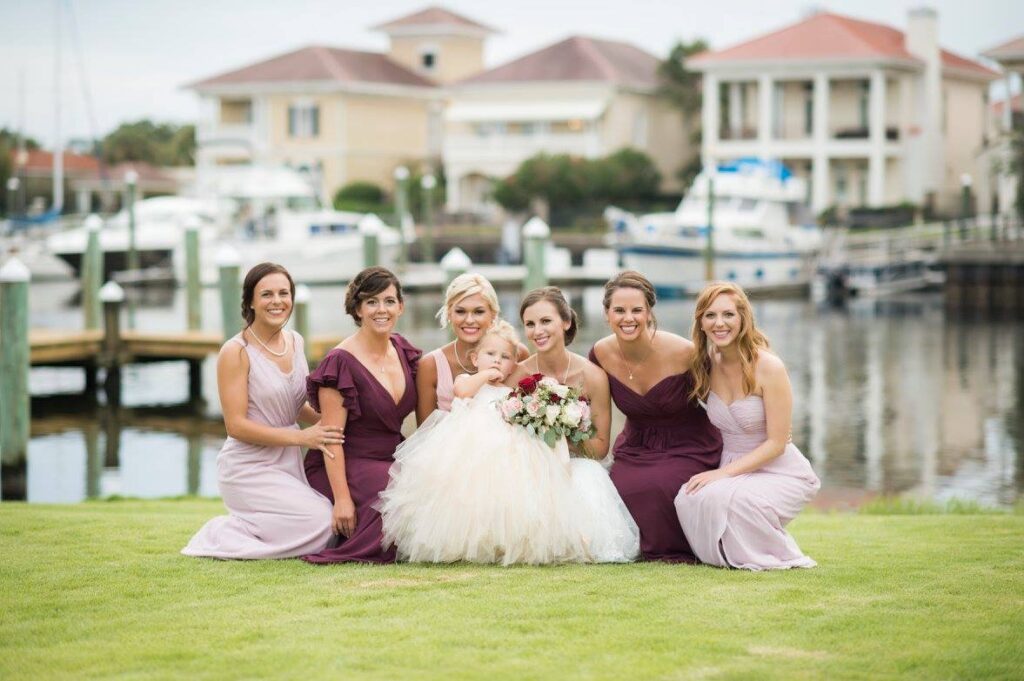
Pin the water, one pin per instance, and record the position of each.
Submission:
(890, 398)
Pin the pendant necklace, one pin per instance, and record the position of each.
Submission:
(265, 347)
(565, 376)
(624, 361)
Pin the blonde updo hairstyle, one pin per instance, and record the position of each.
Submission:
(464, 286)
(749, 340)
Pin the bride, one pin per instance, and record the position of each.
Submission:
(550, 324)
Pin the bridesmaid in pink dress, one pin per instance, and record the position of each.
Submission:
(470, 307)
(367, 386)
(735, 515)
(261, 378)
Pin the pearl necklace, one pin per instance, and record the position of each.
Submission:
(459, 359)
(267, 348)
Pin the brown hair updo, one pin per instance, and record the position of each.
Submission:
(368, 283)
(632, 279)
(253, 277)
(553, 295)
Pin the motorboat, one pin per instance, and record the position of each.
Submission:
(747, 221)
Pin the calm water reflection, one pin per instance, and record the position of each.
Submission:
(891, 397)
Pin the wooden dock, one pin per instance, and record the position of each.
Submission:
(985, 277)
(92, 350)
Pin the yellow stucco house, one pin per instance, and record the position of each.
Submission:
(341, 115)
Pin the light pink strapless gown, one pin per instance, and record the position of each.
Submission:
(740, 521)
(274, 513)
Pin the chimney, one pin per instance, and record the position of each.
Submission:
(922, 41)
(922, 37)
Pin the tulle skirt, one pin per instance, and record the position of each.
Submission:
(467, 486)
(609, 530)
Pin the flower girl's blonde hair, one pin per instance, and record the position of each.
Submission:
(505, 332)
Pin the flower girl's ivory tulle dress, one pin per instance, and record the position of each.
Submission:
(469, 486)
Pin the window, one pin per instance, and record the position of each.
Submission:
(303, 120)
(808, 109)
(428, 58)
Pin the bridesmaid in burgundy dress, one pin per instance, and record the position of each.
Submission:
(667, 438)
(367, 385)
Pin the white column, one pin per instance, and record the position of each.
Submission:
(876, 127)
(821, 194)
(710, 118)
(1008, 108)
(736, 109)
(765, 103)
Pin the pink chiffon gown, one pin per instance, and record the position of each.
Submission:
(373, 430)
(740, 521)
(274, 513)
(445, 383)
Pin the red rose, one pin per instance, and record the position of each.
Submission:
(554, 398)
(529, 384)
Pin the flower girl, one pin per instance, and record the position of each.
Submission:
(470, 486)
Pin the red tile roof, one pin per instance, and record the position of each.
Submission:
(1011, 49)
(319, 63)
(578, 58)
(433, 16)
(40, 160)
(828, 36)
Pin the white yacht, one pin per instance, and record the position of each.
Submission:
(280, 219)
(763, 234)
(262, 213)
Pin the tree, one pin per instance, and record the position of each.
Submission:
(8, 146)
(683, 89)
(162, 144)
(570, 183)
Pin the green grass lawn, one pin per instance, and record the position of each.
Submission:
(99, 590)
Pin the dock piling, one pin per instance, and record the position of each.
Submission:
(92, 272)
(112, 297)
(192, 282)
(401, 210)
(14, 361)
(302, 315)
(370, 227)
(228, 264)
(428, 182)
(536, 235)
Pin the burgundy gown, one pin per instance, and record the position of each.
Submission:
(372, 432)
(667, 440)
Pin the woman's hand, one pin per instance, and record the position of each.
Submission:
(319, 437)
(702, 480)
(343, 517)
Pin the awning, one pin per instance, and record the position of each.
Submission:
(512, 112)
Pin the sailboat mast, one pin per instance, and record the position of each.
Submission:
(58, 142)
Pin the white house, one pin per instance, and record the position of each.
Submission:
(868, 114)
(581, 96)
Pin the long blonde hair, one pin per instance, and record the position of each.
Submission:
(749, 339)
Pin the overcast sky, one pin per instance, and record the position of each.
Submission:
(139, 54)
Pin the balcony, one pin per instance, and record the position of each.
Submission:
(504, 149)
(225, 134)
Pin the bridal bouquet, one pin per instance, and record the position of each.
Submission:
(549, 410)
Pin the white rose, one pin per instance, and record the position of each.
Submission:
(548, 381)
(551, 414)
(560, 390)
(571, 414)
